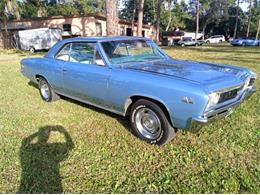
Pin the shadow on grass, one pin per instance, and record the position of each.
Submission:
(40, 161)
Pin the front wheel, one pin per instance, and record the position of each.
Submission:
(149, 123)
(46, 91)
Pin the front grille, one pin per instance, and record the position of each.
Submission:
(251, 82)
(228, 95)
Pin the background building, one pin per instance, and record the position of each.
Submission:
(72, 26)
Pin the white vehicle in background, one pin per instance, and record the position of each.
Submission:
(216, 39)
(38, 39)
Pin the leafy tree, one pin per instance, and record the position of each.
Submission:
(8, 9)
(180, 18)
(130, 10)
(66, 9)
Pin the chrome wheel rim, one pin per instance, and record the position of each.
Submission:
(45, 91)
(148, 123)
(32, 50)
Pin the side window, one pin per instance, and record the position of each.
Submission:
(64, 53)
(82, 53)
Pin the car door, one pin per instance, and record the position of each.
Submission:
(85, 76)
(215, 39)
(55, 73)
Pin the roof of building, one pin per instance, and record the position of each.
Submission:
(95, 15)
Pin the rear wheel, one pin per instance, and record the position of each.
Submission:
(46, 91)
(183, 45)
(243, 44)
(32, 49)
(149, 123)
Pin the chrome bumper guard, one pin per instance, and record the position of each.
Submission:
(223, 112)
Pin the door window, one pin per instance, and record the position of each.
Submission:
(64, 53)
(82, 53)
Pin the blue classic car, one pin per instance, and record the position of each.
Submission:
(245, 42)
(133, 77)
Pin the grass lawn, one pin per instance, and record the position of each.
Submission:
(92, 151)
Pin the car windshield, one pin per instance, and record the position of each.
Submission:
(126, 51)
(187, 39)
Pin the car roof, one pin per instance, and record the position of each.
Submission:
(60, 44)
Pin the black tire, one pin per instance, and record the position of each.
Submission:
(207, 42)
(220, 41)
(32, 49)
(52, 96)
(196, 45)
(165, 133)
(243, 44)
(183, 45)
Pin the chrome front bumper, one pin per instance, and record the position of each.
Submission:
(223, 112)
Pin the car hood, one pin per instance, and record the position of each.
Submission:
(214, 76)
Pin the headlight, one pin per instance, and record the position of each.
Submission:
(213, 100)
(248, 83)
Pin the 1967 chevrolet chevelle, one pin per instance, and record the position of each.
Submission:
(132, 76)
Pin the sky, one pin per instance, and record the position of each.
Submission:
(244, 5)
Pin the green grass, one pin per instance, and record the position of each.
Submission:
(92, 151)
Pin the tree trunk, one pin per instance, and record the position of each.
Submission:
(158, 21)
(5, 24)
(133, 19)
(197, 19)
(258, 30)
(170, 15)
(112, 18)
(154, 11)
(204, 29)
(140, 17)
(237, 17)
(249, 18)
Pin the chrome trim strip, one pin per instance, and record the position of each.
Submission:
(229, 89)
(92, 104)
